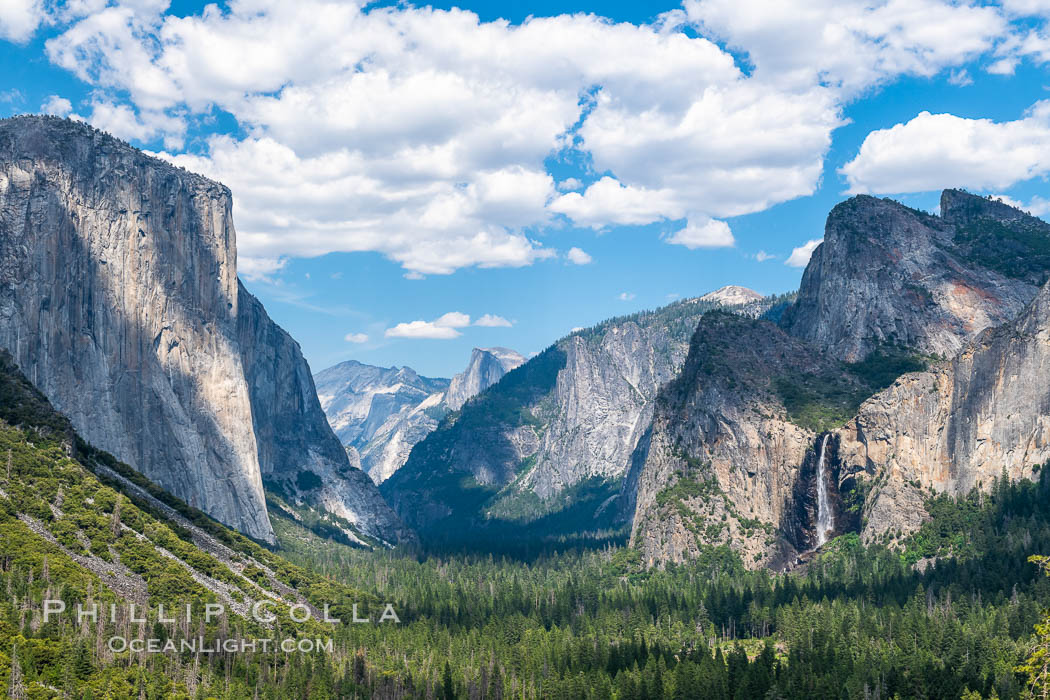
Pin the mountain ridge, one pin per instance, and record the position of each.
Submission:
(558, 422)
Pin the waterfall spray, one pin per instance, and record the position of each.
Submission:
(825, 518)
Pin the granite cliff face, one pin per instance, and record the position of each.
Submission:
(380, 414)
(730, 457)
(359, 398)
(564, 422)
(298, 452)
(486, 367)
(888, 274)
(960, 425)
(119, 299)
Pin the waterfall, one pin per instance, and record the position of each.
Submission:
(825, 518)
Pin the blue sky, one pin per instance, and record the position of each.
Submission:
(398, 169)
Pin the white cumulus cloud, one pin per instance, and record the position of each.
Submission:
(59, 106)
(442, 328)
(942, 150)
(1037, 206)
(850, 44)
(356, 337)
(800, 256)
(609, 201)
(578, 256)
(707, 234)
(493, 321)
(20, 18)
(423, 134)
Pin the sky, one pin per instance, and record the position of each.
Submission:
(412, 181)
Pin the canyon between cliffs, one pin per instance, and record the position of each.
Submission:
(911, 362)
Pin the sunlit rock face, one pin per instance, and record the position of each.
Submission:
(724, 463)
(889, 274)
(962, 424)
(119, 299)
(381, 413)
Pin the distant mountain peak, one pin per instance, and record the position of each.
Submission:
(487, 366)
(732, 295)
(381, 413)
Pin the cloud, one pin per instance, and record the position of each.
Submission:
(123, 122)
(626, 296)
(762, 256)
(732, 149)
(1027, 7)
(800, 256)
(960, 78)
(933, 151)
(1032, 41)
(59, 106)
(609, 201)
(356, 337)
(849, 44)
(442, 328)
(709, 234)
(1004, 66)
(259, 269)
(578, 257)
(20, 18)
(1038, 206)
(287, 204)
(424, 134)
(492, 321)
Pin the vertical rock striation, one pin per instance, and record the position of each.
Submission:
(295, 440)
(889, 274)
(119, 299)
(725, 461)
(962, 424)
(486, 367)
(887, 282)
(569, 416)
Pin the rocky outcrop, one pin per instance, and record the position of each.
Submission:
(119, 299)
(732, 295)
(960, 425)
(886, 282)
(888, 274)
(486, 367)
(601, 404)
